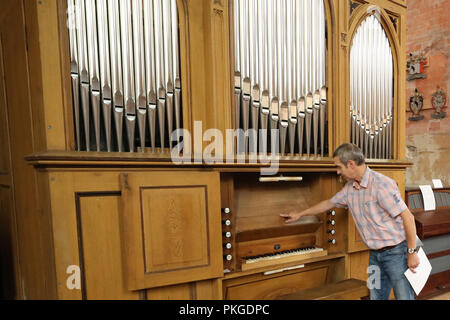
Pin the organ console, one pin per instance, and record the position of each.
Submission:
(290, 79)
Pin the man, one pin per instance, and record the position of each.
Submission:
(382, 218)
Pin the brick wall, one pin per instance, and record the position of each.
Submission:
(428, 140)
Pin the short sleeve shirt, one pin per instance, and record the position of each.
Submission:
(375, 205)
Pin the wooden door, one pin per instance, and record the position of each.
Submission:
(171, 228)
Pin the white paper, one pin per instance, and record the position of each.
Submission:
(429, 203)
(418, 242)
(437, 183)
(423, 270)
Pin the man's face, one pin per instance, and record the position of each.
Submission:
(346, 172)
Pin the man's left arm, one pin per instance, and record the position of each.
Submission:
(410, 232)
(390, 199)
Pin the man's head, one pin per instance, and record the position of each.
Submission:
(349, 160)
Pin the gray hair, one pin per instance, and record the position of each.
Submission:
(348, 151)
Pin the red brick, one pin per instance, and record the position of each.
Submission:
(435, 126)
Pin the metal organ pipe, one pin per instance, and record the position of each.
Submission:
(280, 63)
(371, 88)
(125, 69)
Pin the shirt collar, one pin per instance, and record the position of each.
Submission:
(365, 180)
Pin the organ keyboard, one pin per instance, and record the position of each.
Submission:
(277, 258)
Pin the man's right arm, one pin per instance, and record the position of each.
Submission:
(316, 209)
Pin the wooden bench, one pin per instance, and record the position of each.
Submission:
(350, 289)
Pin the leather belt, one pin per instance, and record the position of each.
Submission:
(386, 248)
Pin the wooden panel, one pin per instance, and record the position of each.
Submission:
(173, 239)
(201, 290)
(206, 78)
(100, 248)
(34, 69)
(209, 289)
(33, 245)
(437, 283)
(273, 287)
(8, 264)
(51, 82)
(183, 291)
(350, 289)
(432, 223)
(65, 233)
(359, 262)
(258, 205)
(87, 233)
(355, 242)
(398, 176)
(171, 228)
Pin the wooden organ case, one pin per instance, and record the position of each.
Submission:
(109, 197)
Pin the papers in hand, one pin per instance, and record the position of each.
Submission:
(429, 203)
(419, 279)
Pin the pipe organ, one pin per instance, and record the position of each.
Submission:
(112, 81)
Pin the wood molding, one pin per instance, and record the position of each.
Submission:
(115, 159)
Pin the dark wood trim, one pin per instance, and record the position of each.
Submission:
(61, 159)
(80, 246)
(432, 223)
(438, 254)
(437, 284)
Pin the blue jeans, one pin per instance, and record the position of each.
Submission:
(386, 271)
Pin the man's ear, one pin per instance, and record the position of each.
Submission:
(351, 164)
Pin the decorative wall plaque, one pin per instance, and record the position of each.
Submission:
(415, 66)
(416, 104)
(438, 101)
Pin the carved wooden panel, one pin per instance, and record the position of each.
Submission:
(172, 238)
(171, 228)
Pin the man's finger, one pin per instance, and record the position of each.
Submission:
(288, 219)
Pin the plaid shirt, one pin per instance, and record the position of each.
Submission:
(375, 205)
